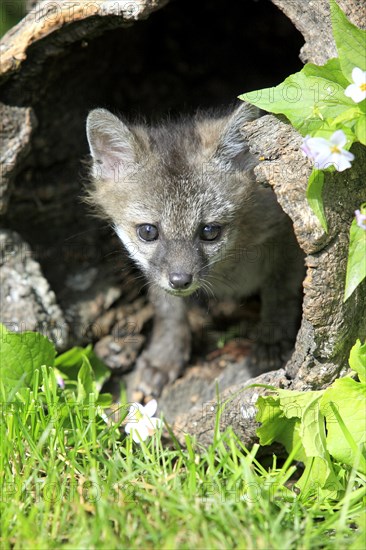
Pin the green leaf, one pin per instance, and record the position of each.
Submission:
(357, 360)
(331, 71)
(86, 381)
(294, 419)
(343, 405)
(20, 355)
(307, 98)
(314, 196)
(321, 428)
(360, 129)
(318, 478)
(3, 330)
(350, 116)
(356, 265)
(69, 364)
(312, 431)
(305, 407)
(105, 400)
(101, 372)
(293, 403)
(319, 472)
(350, 41)
(275, 426)
(271, 417)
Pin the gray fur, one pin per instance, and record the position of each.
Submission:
(181, 176)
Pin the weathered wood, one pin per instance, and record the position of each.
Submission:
(46, 18)
(312, 18)
(17, 125)
(26, 300)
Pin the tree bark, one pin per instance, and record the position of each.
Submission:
(313, 21)
(50, 64)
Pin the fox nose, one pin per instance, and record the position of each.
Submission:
(180, 281)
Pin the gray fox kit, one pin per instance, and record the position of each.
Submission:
(183, 200)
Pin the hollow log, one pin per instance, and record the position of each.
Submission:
(65, 58)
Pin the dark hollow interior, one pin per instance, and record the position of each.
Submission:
(187, 55)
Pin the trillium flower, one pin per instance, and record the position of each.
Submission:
(357, 90)
(330, 152)
(141, 422)
(360, 219)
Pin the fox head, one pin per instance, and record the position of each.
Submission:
(173, 192)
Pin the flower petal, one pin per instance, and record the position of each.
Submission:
(150, 408)
(312, 147)
(360, 219)
(338, 138)
(340, 162)
(60, 381)
(141, 431)
(129, 426)
(322, 148)
(351, 89)
(323, 160)
(348, 155)
(354, 92)
(305, 147)
(154, 423)
(136, 410)
(359, 95)
(316, 143)
(358, 76)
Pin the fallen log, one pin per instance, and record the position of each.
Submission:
(65, 58)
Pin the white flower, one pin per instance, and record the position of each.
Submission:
(360, 219)
(141, 422)
(357, 91)
(330, 152)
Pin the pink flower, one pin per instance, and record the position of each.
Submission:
(330, 152)
(357, 90)
(361, 219)
(60, 381)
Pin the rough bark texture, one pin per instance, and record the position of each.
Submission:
(62, 60)
(330, 327)
(17, 125)
(312, 18)
(27, 302)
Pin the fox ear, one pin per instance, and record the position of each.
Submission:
(112, 145)
(232, 148)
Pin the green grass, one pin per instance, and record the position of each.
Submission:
(71, 480)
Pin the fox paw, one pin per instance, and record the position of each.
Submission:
(150, 378)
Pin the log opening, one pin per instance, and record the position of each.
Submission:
(184, 56)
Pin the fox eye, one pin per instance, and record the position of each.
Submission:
(210, 232)
(147, 232)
